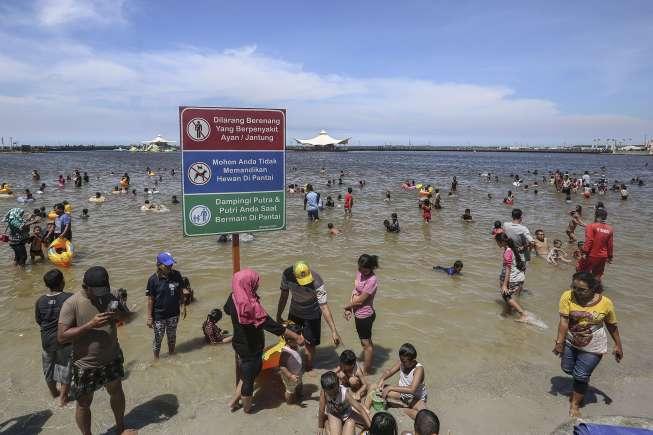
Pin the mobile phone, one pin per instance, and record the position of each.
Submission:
(113, 306)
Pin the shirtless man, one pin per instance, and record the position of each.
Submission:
(574, 221)
(541, 243)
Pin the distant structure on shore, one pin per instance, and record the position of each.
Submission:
(321, 142)
(156, 145)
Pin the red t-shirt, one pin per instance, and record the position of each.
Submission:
(598, 240)
(348, 200)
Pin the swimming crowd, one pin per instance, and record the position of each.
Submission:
(81, 353)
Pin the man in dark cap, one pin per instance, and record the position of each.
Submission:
(88, 321)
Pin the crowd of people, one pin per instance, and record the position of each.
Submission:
(81, 353)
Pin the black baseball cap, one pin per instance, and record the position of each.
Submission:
(96, 279)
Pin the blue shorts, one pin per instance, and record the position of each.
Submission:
(579, 364)
(313, 214)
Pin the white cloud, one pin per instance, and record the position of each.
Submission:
(74, 93)
(59, 12)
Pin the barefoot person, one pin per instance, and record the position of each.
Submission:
(249, 320)
(512, 275)
(582, 339)
(597, 249)
(308, 302)
(56, 356)
(88, 320)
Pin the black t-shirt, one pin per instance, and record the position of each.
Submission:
(249, 340)
(46, 312)
(166, 293)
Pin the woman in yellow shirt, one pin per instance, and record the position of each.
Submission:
(582, 339)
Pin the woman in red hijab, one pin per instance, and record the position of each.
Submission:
(249, 320)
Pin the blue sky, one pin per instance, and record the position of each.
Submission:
(501, 72)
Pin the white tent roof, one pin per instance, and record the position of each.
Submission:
(159, 140)
(323, 139)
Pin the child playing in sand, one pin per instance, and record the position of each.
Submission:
(36, 244)
(451, 271)
(426, 211)
(291, 368)
(541, 244)
(339, 408)
(410, 393)
(557, 254)
(212, 332)
(333, 231)
(467, 216)
(351, 375)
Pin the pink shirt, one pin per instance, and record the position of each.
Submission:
(368, 284)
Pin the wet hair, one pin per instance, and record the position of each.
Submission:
(386, 223)
(309, 187)
(147, 201)
(467, 211)
(383, 423)
(329, 225)
(98, 194)
(58, 206)
(215, 315)
(504, 239)
(368, 261)
(458, 264)
(601, 213)
(350, 190)
(516, 213)
(53, 279)
(589, 279)
(497, 224)
(84, 211)
(407, 350)
(329, 380)
(426, 423)
(393, 215)
(348, 357)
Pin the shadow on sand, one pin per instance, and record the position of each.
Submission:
(25, 424)
(191, 345)
(563, 385)
(157, 410)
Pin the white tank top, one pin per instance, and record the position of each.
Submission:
(294, 362)
(406, 380)
(338, 406)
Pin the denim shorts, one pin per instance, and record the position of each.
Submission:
(579, 364)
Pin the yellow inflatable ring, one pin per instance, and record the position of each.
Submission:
(52, 215)
(64, 258)
(272, 355)
(68, 208)
(418, 186)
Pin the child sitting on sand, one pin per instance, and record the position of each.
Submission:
(410, 393)
(212, 332)
(333, 231)
(291, 368)
(541, 244)
(451, 271)
(557, 254)
(351, 375)
(336, 403)
(467, 216)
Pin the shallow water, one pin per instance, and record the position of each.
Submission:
(469, 350)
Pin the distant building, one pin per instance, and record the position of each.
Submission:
(156, 145)
(322, 142)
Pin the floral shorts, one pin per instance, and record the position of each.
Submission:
(87, 381)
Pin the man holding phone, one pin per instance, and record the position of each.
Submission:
(88, 321)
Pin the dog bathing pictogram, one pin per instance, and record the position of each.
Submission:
(199, 173)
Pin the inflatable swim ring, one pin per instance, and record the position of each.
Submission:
(6, 195)
(272, 355)
(419, 186)
(98, 200)
(23, 199)
(151, 173)
(68, 208)
(52, 215)
(63, 258)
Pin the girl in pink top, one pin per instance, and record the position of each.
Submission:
(362, 305)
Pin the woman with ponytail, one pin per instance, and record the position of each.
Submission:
(512, 275)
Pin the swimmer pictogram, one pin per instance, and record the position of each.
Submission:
(198, 129)
(199, 173)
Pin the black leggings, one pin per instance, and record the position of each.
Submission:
(20, 254)
(250, 367)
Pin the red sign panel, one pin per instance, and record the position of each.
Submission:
(218, 128)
